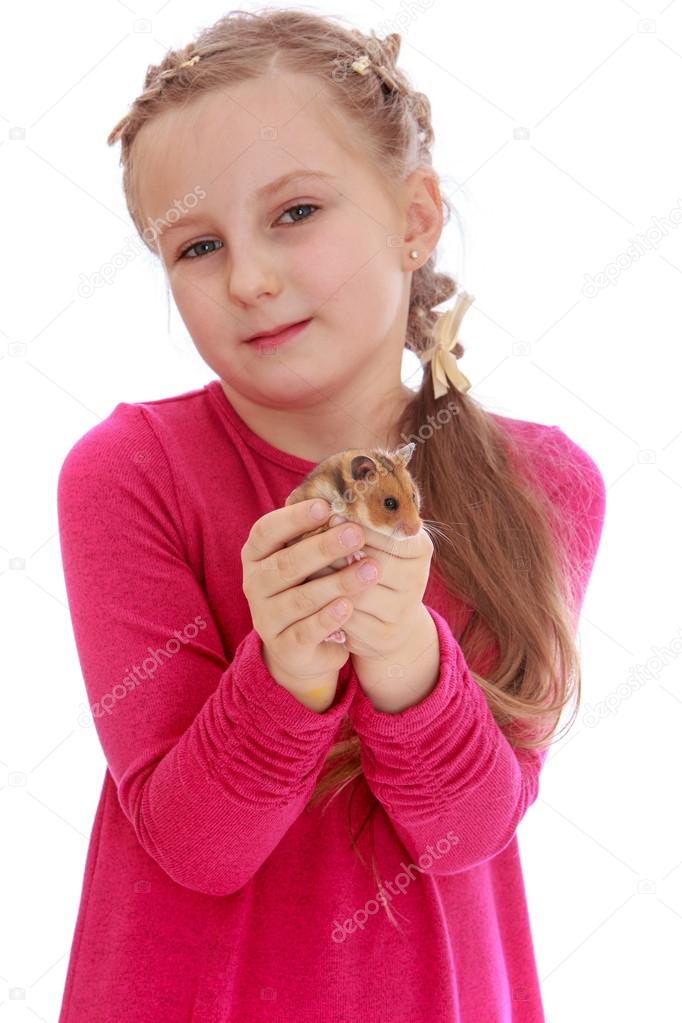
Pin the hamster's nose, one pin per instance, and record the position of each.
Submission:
(409, 530)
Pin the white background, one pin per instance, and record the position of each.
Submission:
(558, 139)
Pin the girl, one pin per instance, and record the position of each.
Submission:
(280, 169)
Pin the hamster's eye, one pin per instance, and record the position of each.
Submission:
(390, 503)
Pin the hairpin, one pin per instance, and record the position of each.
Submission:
(192, 60)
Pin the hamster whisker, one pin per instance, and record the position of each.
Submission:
(433, 533)
(438, 522)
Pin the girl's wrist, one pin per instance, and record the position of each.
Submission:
(317, 693)
(405, 678)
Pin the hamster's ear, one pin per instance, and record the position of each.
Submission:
(361, 466)
(404, 454)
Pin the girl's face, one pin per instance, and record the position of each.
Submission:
(244, 255)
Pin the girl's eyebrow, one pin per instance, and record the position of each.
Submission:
(263, 191)
(268, 189)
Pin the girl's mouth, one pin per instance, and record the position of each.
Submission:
(273, 340)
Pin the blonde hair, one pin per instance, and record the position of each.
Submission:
(500, 557)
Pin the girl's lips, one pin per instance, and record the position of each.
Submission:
(272, 340)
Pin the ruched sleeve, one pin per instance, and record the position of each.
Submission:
(212, 759)
(443, 770)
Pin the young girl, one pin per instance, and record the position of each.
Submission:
(280, 169)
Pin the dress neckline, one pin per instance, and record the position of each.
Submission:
(263, 447)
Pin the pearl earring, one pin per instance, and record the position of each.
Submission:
(414, 253)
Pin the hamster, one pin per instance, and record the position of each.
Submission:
(369, 486)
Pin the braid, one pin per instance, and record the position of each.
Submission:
(379, 56)
(156, 75)
(429, 287)
(383, 54)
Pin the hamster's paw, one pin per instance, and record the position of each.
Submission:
(355, 556)
(336, 637)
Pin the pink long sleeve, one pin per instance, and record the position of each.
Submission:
(213, 889)
(443, 766)
(212, 759)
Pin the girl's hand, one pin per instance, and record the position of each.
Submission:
(384, 613)
(291, 609)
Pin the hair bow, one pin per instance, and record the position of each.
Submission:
(443, 361)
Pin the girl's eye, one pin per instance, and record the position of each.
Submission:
(301, 206)
(210, 241)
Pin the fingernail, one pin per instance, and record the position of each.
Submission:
(339, 609)
(319, 510)
(367, 571)
(349, 537)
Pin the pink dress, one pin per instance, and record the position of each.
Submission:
(211, 892)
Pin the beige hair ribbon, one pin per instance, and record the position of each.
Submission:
(443, 361)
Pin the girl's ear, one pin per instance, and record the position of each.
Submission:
(422, 212)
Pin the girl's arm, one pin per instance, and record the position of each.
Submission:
(211, 758)
(443, 769)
